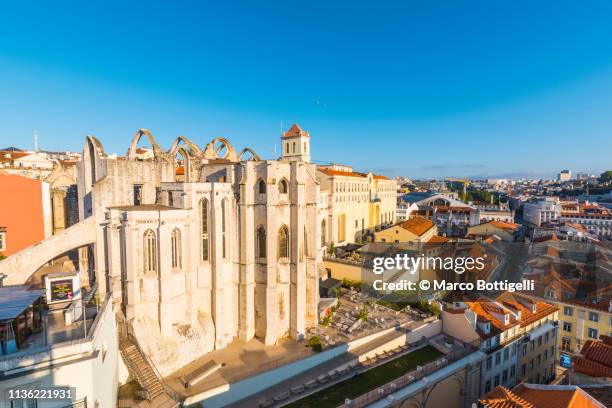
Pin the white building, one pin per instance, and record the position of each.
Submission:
(542, 211)
(564, 175)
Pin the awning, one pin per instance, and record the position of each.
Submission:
(15, 299)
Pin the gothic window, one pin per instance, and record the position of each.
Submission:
(224, 227)
(175, 242)
(261, 187)
(204, 245)
(150, 251)
(283, 186)
(323, 233)
(261, 242)
(283, 242)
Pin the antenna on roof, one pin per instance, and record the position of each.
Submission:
(36, 149)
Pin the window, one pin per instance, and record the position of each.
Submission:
(223, 227)
(592, 333)
(489, 362)
(323, 233)
(496, 382)
(261, 242)
(293, 147)
(539, 341)
(505, 376)
(506, 354)
(204, 248)
(497, 358)
(283, 242)
(2, 241)
(488, 386)
(567, 326)
(594, 316)
(545, 354)
(175, 242)
(566, 344)
(523, 369)
(568, 311)
(261, 187)
(150, 251)
(137, 194)
(512, 371)
(283, 187)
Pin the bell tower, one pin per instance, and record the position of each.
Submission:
(296, 145)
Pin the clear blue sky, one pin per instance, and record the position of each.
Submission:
(417, 88)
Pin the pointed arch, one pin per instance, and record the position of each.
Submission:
(283, 242)
(157, 151)
(283, 186)
(182, 171)
(260, 242)
(203, 209)
(176, 249)
(194, 150)
(220, 148)
(245, 151)
(150, 252)
(261, 186)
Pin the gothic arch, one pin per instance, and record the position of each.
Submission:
(176, 145)
(248, 150)
(215, 148)
(93, 151)
(157, 151)
(454, 378)
(186, 176)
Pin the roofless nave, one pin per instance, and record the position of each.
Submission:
(202, 245)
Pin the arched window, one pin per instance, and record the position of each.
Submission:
(293, 148)
(283, 186)
(150, 251)
(323, 233)
(204, 230)
(261, 187)
(283, 242)
(223, 227)
(305, 242)
(261, 242)
(287, 150)
(175, 242)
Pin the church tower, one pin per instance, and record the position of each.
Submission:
(296, 145)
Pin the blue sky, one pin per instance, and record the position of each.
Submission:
(421, 89)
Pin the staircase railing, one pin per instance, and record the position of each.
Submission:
(127, 331)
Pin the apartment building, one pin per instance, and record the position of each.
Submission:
(504, 326)
(581, 321)
(359, 203)
(542, 211)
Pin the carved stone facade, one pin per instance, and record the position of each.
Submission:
(200, 246)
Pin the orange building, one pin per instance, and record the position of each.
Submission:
(25, 212)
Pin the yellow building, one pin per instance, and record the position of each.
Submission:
(358, 203)
(582, 321)
(416, 229)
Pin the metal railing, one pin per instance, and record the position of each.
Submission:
(409, 378)
(126, 330)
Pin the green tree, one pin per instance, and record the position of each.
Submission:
(605, 177)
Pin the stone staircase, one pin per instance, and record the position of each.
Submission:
(154, 392)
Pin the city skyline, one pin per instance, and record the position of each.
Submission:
(439, 96)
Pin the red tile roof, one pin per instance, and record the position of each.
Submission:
(417, 225)
(595, 359)
(295, 131)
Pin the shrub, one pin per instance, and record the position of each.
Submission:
(315, 343)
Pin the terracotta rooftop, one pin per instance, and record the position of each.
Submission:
(518, 303)
(436, 239)
(505, 225)
(539, 396)
(595, 359)
(331, 172)
(417, 225)
(295, 131)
